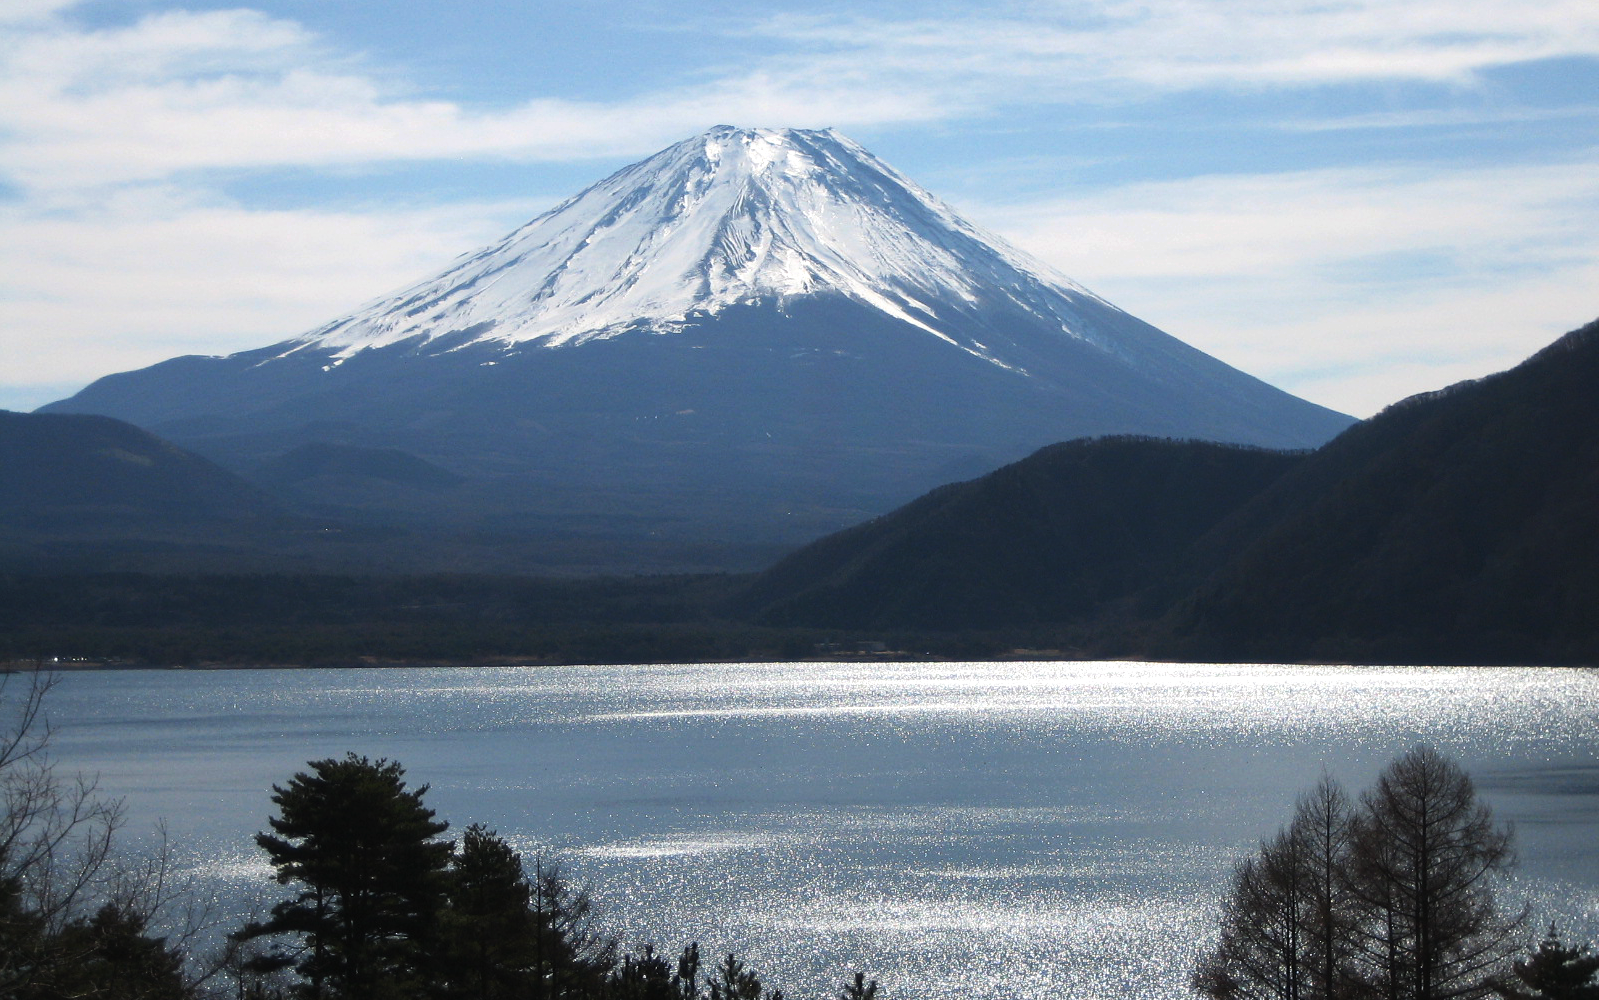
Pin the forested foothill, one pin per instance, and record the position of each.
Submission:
(1460, 526)
(375, 897)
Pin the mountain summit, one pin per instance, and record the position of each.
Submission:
(755, 335)
(731, 217)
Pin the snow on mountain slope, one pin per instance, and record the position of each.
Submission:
(730, 216)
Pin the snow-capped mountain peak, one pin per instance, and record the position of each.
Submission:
(751, 338)
(731, 216)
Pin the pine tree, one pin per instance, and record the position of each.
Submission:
(489, 939)
(1556, 971)
(113, 956)
(733, 980)
(649, 976)
(573, 958)
(364, 852)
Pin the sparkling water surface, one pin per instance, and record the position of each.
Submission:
(967, 830)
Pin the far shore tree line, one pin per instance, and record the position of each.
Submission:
(1389, 896)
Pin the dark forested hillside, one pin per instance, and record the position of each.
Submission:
(91, 494)
(80, 469)
(1056, 537)
(1461, 525)
(323, 459)
(1458, 526)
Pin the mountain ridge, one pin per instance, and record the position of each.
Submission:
(753, 336)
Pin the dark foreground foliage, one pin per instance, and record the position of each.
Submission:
(1556, 971)
(75, 921)
(384, 909)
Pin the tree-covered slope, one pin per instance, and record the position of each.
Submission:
(1461, 525)
(322, 459)
(72, 469)
(1054, 537)
(1456, 526)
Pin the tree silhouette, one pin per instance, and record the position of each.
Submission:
(1424, 856)
(573, 958)
(1556, 971)
(73, 921)
(1285, 927)
(363, 850)
(488, 943)
(1391, 900)
(733, 980)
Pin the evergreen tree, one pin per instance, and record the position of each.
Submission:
(113, 957)
(489, 941)
(688, 970)
(1556, 971)
(649, 976)
(733, 980)
(573, 958)
(364, 852)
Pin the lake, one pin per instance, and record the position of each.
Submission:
(952, 829)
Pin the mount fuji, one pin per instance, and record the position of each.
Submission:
(753, 336)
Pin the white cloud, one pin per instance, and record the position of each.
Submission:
(182, 92)
(157, 273)
(1353, 287)
(118, 253)
(27, 11)
(191, 91)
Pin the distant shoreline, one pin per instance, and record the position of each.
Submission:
(76, 665)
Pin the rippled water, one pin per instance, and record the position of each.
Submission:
(953, 829)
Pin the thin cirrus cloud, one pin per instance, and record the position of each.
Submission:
(171, 274)
(1116, 45)
(121, 250)
(231, 89)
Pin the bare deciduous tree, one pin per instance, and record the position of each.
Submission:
(55, 835)
(1284, 925)
(75, 920)
(1390, 901)
(1425, 856)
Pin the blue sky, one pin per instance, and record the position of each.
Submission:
(1353, 199)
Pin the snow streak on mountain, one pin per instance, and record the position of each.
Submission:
(731, 216)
